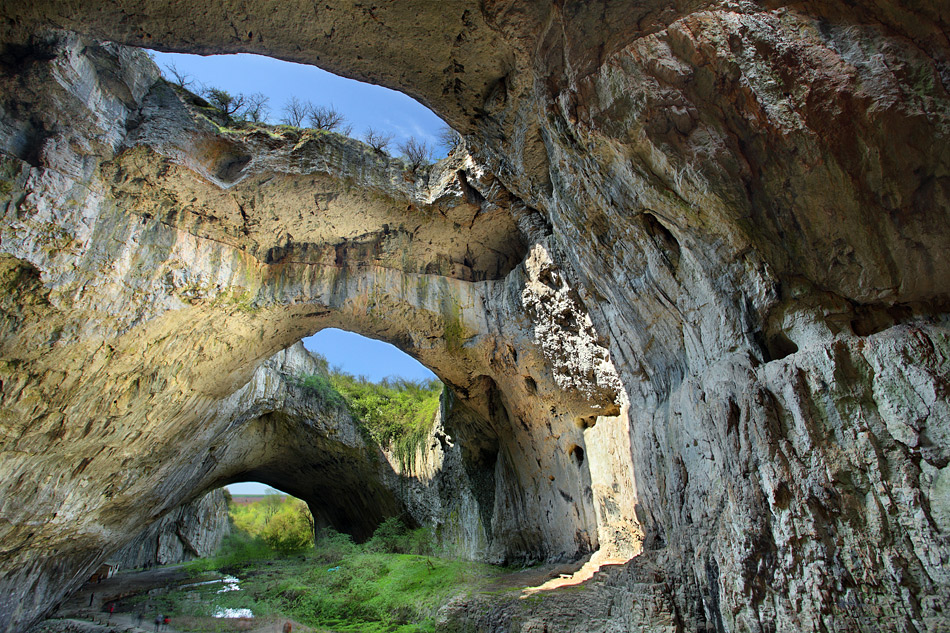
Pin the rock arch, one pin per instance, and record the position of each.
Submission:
(145, 317)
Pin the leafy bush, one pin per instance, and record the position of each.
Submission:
(322, 387)
(331, 546)
(393, 537)
(397, 414)
(290, 530)
(389, 537)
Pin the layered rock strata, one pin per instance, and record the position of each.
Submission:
(745, 201)
(194, 530)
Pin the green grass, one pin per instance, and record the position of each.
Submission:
(375, 591)
(337, 585)
(391, 584)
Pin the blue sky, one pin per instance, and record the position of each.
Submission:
(363, 356)
(363, 105)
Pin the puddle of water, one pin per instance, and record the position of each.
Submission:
(230, 584)
(228, 580)
(221, 612)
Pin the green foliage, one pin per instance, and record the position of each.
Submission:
(321, 387)
(236, 549)
(289, 531)
(372, 588)
(379, 592)
(396, 414)
(282, 524)
(331, 546)
(224, 101)
(393, 537)
(388, 537)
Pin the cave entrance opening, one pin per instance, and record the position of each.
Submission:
(257, 90)
(261, 516)
(343, 437)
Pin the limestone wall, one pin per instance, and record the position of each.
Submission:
(709, 248)
(192, 531)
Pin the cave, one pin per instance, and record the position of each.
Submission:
(643, 276)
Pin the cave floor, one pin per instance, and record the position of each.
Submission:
(85, 611)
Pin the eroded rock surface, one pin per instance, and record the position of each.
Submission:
(120, 263)
(742, 206)
(194, 530)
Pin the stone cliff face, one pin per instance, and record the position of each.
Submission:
(192, 531)
(688, 287)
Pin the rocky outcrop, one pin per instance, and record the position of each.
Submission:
(708, 249)
(192, 531)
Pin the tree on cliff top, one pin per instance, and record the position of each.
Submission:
(417, 153)
(224, 101)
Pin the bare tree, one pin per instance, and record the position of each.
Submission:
(325, 117)
(256, 109)
(449, 138)
(295, 111)
(223, 100)
(417, 152)
(181, 79)
(379, 141)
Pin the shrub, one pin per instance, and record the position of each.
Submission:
(321, 387)
(421, 541)
(295, 111)
(389, 537)
(396, 414)
(223, 100)
(179, 78)
(288, 531)
(256, 109)
(449, 138)
(325, 117)
(331, 545)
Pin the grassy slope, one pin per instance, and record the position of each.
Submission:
(333, 588)
(391, 583)
(395, 414)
